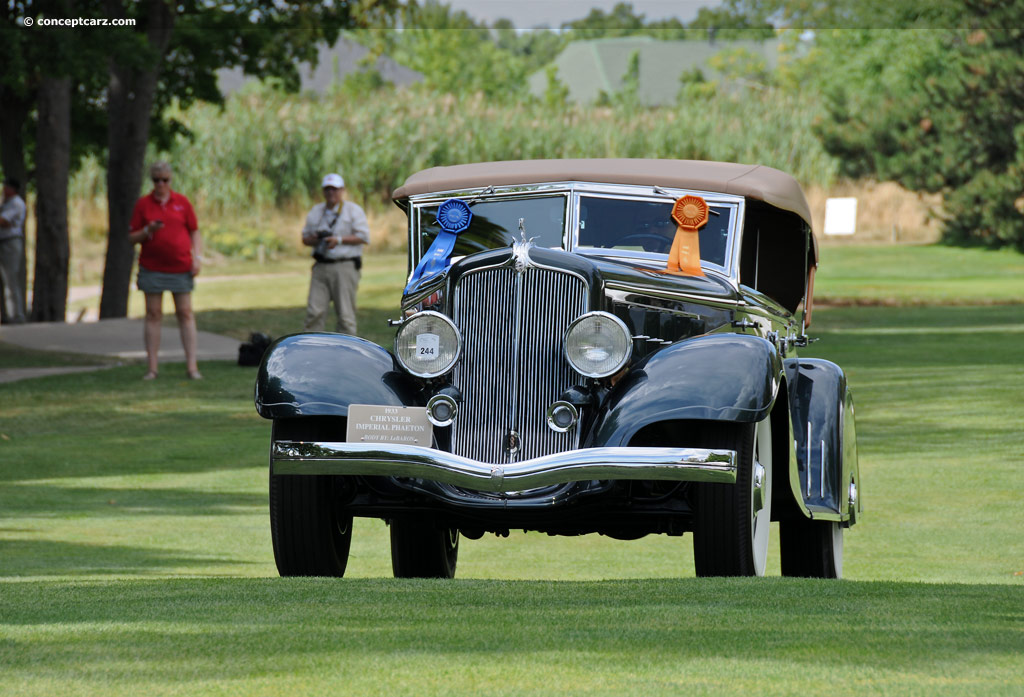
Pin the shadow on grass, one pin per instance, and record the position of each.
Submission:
(278, 322)
(49, 501)
(871, 624)
(919, 337)
(34, 558)
(112, 423)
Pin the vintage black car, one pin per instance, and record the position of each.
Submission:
(585, 346)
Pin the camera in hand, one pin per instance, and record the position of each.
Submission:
(320, 251)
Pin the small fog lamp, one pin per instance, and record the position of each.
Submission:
(442, 410)
(562, 416)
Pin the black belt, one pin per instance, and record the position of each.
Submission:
(323, 260)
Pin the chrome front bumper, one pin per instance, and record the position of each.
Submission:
(673, 464)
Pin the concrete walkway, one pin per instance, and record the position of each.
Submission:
(120, 338)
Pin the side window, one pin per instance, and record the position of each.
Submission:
(773, 254)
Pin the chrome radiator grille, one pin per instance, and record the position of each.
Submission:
(512, 366)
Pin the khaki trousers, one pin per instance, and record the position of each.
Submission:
(10, 265)
(335, 283)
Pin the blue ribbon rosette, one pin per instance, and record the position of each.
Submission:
(453, 216)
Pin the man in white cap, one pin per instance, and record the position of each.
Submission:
(337, 230)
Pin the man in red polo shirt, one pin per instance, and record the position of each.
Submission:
(165, 224)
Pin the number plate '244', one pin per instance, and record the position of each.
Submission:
(428, 345)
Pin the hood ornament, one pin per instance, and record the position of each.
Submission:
(521, 250)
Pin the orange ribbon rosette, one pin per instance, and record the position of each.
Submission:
(690, 213)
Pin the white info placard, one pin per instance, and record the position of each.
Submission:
(840, 216)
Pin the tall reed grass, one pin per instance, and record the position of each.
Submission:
(259, 159)
(265, 148)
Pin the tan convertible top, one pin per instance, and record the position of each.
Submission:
(755, 181)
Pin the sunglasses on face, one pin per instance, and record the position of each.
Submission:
(159, 180)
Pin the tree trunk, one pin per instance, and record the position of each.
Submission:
(13, 114)
(130, 97)
(14, 111)
(53, 159)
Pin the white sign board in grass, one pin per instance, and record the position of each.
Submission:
(840, 216)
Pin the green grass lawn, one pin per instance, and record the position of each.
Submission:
(492, 637)
(135, 552)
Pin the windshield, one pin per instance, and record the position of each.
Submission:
(495, 224)
(636, 225)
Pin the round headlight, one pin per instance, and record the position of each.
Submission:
(428, 344)
(598, 344)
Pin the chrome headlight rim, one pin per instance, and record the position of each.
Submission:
(625, 332)
(408, 323)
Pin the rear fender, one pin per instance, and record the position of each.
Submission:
(827, 473)
(322, 374)
(717, 377)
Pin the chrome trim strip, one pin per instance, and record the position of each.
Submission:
(619, 286)
(807, 461)
(390, 460)
(821, 484)
(514, 369)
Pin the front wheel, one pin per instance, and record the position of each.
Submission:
(423, 549)
(310, 529)
(811, 548)
(732, 521)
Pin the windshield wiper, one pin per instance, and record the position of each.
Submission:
(661, 192)
(488, 190)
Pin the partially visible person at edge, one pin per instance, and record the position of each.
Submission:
(165, 224)
(337, 230)
(12, 245)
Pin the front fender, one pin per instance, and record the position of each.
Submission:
(717, 377)
(322, 374)
(826, 440)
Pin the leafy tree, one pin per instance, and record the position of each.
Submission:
(621, 21)
(172, 55)
(629, 96)
(938, 110)
(536, 48)
(844, 14)
(739, 64)
(44, 71)
(455, 54)
(556, 92)
(724, 23)
(693, 86)
(928, 93)
(121, 82)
